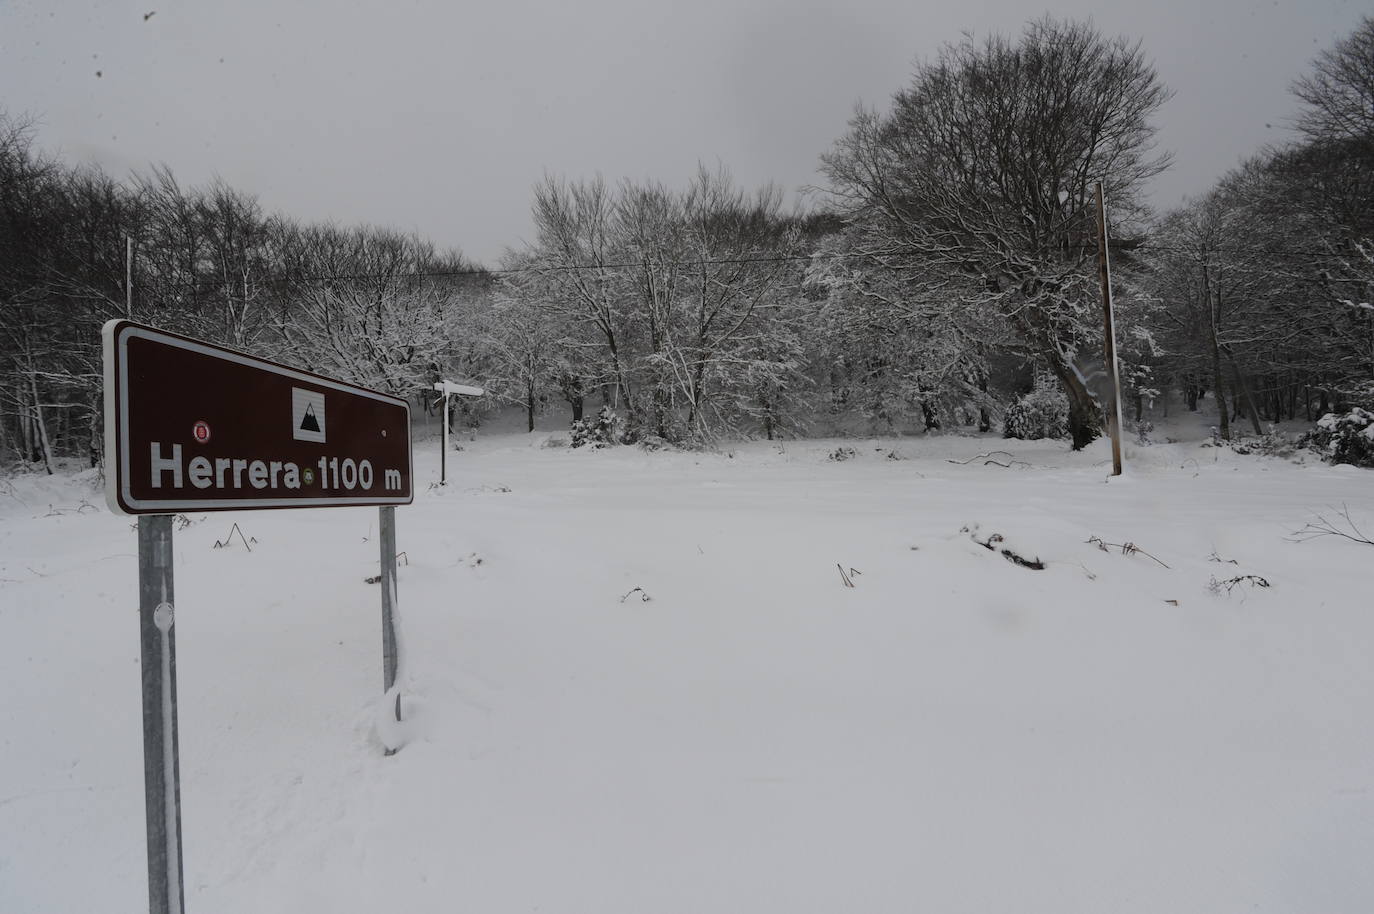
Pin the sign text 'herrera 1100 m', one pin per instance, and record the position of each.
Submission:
(190, 426)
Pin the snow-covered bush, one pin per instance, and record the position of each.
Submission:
(1359, 394)
(1042, 413)
(598, 432)
(1274, 444)
(1346, 438)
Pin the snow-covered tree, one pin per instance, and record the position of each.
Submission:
(668, 299)
(521, 336)
(977, 186)
(1268, 279)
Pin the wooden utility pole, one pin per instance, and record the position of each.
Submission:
(1104, 270)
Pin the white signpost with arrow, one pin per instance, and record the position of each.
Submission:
(448, 388)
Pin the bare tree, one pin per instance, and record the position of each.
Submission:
(978, 183)
(667, 297)
(363, 310)
(1339, 92)
(520, 335)
(736, 326)
(578, 243)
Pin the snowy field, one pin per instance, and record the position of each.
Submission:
(638, 683)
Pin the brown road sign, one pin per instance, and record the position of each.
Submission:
(190, 426)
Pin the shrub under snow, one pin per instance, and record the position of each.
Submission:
(598, 432)
(1042, 413)
(1346, 438)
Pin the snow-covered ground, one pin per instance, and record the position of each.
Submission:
(637, 682)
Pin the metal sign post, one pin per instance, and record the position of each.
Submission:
(447, 388)
(390, 643)
(161, 771)
(191, 426)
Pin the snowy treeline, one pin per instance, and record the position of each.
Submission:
(207, 262)
(1266, 284)
(682, 308)
(948, 268)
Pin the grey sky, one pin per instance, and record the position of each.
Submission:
(438, 117)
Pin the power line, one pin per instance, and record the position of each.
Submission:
(722, 261)
(483, 271)
(1238, 252)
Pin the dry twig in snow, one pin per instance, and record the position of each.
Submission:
(1324, 527)
(1126, 548)
(989, 459)
(1229, 584)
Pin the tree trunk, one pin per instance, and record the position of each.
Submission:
(1214, 346)
(660, 400)
(41, 428)
(97, 438)
(929, 416)
(1085, 414)
(1219, 391)
(529, 405)
(573, 392)
(622, 382)
(24, 424)
(984, 420)
(698, 393)
(1242, 391)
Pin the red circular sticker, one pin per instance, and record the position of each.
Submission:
(202, 431)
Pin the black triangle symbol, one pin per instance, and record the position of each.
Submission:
(308, 424)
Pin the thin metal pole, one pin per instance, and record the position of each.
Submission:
(390, 652)
(1104, 267)
(161, 768)
(443, 453)
(129, 277)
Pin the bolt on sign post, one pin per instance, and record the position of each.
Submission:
(191, 426)
(447, 388)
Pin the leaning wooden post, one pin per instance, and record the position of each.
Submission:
(1104, 269)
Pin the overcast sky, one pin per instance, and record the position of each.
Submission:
(438, 117)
